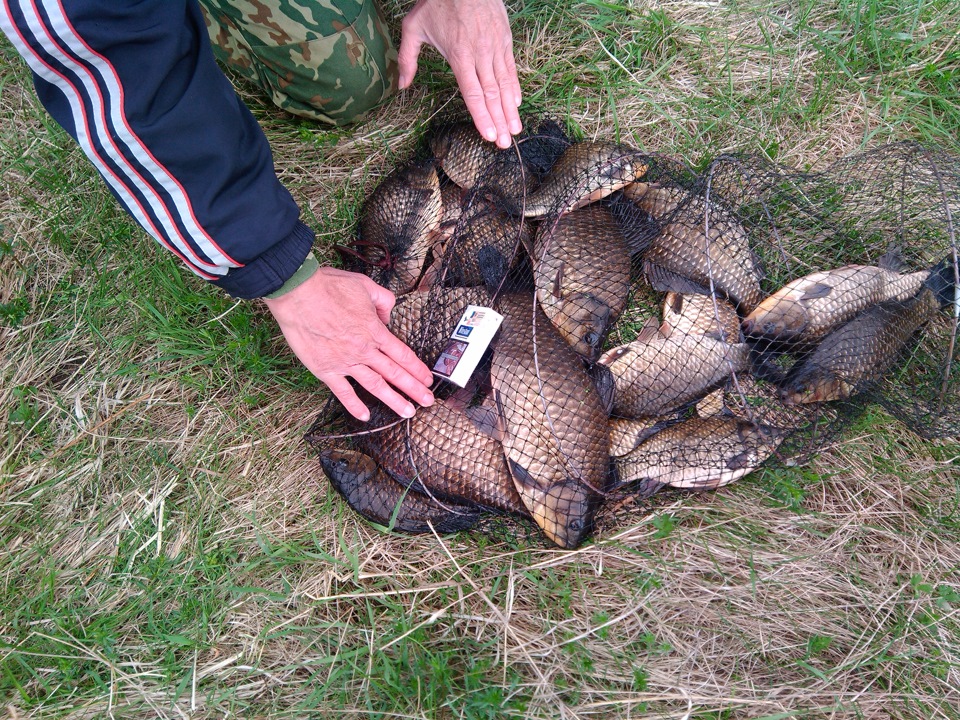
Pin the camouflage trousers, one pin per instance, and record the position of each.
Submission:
(330, 60)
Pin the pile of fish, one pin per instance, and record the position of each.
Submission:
(660, 330)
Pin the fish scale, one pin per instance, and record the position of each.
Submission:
(398, 225)
(381, 499)
(858, 352)
(449, 453)
(425, 320)
(582, 276)
(470, 161)
(656, 374)
(809, 307)
(700, 453)
(553, 423)
(683, 258)
(585, 173)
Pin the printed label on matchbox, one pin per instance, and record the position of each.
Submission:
(470, 339)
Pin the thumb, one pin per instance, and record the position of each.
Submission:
(383, 301)
(410, 44)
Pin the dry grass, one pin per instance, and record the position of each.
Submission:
(171, 550)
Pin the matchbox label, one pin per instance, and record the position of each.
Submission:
(470, 339)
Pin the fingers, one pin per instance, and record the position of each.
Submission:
(345, 394)
(410, 44)
(382, 377)
(399, 353)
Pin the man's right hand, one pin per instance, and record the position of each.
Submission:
(335, 323)
(474, 36)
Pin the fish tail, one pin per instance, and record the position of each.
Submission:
(943, 282)
(762, 362)
(892, 259)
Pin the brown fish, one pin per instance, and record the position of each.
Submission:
(585, 173)
(582, 276)
(627, 433)
(553, 423)
(448, 453)
(655, 374)
(382, 500)
(862, 350)
(483, 247)
(398, 225)
(656, 200)
(700, 453)
(470, 161)
(425, 320)
(700, 315)
(684, 258)
(810, 307)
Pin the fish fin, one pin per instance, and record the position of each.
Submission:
(558, 282)
(942, 281)
(819, 290)
(651, 330)
(740, 461)
(460, 400)
(486, 420)
(605, 384)
(500, 416)
(674, 301)
(892, 259)
(666, 280)
(521, 476)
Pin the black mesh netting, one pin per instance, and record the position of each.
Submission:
(662, 327)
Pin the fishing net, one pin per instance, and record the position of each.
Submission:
(661, 326)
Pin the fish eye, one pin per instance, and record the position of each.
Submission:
(591, 338)
(576, 525)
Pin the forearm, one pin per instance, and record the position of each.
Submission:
(138, 88)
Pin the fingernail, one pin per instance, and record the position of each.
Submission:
(515, 127)
(490, 134)
(503, 141)
(427, 400)
(364, 416)
(408, 412)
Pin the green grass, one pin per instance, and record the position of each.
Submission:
(169, 548)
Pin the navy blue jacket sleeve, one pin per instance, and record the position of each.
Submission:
(136, 84)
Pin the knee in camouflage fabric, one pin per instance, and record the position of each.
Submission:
(327, 61)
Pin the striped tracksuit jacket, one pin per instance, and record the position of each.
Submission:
(136, 84)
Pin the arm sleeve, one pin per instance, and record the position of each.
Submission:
(136, 84)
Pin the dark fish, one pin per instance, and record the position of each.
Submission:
(700, 315)
(470, 161)
(810, 307)
(424, 320)
(398, 225)
(585, 173)
(582, 276)
(449, 453)
(684, 258)
(700, 453)
(484, 245)
(862, 350)
(382, 500)
(554, 426)
(655, 374)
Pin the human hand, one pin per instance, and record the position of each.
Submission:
(474, 36)
(335, 323)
